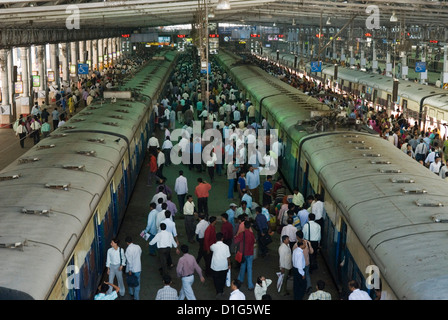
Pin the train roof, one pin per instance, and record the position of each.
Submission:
(50, 193)
(393, 217)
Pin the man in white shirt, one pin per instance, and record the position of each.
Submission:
(312, 233)
(201, 226)
(290, 231)
(160, 163)
(181, 189)
(151, 226)
(115, 262)
(298, 263)
(298, 198)
(285, 261)
(189, 211)
(159, 194)
(435, 166)
(134, 265)
(165, 241)
(357, 294)
(220, 263)
(153, 143)
(317, 208)
(236, 294)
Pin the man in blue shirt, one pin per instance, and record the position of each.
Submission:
(151, 227)
(267, 190)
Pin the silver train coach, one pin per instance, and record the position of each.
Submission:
(64, 199)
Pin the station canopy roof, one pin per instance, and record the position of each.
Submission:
(153, 13)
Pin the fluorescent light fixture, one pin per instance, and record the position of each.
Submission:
(328, 21)
(393, 17)
(223, 5)
(274, 24)
(293, 22)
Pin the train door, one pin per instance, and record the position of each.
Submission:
(99, 252)
(341, 255)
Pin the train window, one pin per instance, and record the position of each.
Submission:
(405, 104)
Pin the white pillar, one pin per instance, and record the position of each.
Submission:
(444, 75)
(94, 55)
(24, 62)
(41, 65)
(82, 50)
(100, 54)
(65, 62)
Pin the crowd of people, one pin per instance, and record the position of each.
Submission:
(428, 147)
(258, 211)
(71, 97)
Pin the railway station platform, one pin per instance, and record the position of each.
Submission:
(151, 281)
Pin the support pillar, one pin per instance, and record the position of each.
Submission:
(94, 55)
(65, 63)
(6, 110)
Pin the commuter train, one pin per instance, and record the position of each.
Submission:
(426, 105)
(384, 215)
(64, 200)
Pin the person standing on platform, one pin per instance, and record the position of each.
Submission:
(226, 229)
(285, 261)
(253, 183)
(231, 177)
(209, 239)
(166, 149)
(202, 193)
(220, 263)
(152, 174)
(160, 163)
(298, 263)
(263, 229)
(267, 191)
(21, 132)
(186, 266)
(45, 129)
(115, 262)
(236, 294)
(200, 231)
(189, 213)
(181, 189)
(312, 233)
(356, 292)
(246, 239)
(133, 265)
(151, 227)
(55, 116)
(165, 241)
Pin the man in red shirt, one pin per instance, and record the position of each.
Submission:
(201, 191)
(209, 239)
(152, 170)
(226, 229)
(246, 239)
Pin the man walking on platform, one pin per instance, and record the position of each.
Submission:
(202, 192)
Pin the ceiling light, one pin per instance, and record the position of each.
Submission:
(328, 21)
(293, 22)
(274, 24)
(393, 17)
(223, 5)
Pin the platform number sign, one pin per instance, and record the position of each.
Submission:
(316, 66)
(420, 66)
(83, 68)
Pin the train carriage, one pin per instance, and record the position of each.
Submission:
(64, 200)
(384, 214)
